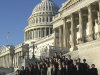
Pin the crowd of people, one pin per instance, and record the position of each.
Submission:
(59, 65)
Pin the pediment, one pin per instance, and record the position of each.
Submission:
(4, 48)
(69, 3)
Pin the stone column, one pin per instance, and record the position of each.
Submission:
(5, 61)
(81, 40)
(45, 32)
(1, 62)
(90, 19)
(49, 30)
(22, 54)
(99, 20)
(54, 37)
(24, 36)
(16, 59)
(38, 33)
(65, 32)
(10, 61)
(73, 46)
(60, 37)
(32, 33)
(27, 35)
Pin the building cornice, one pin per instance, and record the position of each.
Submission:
(69, 4)
(37, 26)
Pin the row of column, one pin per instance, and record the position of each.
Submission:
(16, 58)
(64, 29)
(6, 61)
(37, 33)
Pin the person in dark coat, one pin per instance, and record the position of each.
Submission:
(46, 68)
(93, 70)
(30, 71)
(22, 72)
(34, 70)
(77, 71)
(26, 71)
(80, 64)
(18, 72)
(67, 70)
(70, 61)
(38, 70)
(84, 67)
(73, 67)
(43, 70)
(54, 70)
(55, 55)
(59, 71)
(63, 68)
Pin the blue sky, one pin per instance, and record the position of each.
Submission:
(13, 19)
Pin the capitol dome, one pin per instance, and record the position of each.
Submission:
(39, 23)
(46, 6)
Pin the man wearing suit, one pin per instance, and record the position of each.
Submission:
(93, 70)
(38, 70)
(49, 71)
(70, 61)
(77, 71)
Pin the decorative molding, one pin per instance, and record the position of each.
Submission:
(69, 4)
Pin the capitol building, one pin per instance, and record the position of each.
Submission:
(73, 29)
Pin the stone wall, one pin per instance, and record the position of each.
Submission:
(91, 52)
(4, 71)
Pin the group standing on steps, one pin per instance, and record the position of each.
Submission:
(59, 65)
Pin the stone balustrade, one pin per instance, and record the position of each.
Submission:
(19, 45)
(56, 16)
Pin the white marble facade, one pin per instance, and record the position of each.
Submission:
(77, 22)
(52, 29)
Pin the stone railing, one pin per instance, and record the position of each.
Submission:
(57, 48)
(44, 38)
(13, 73)
(74, 54)
(19, 45)
(56, 16)
(87, 38)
